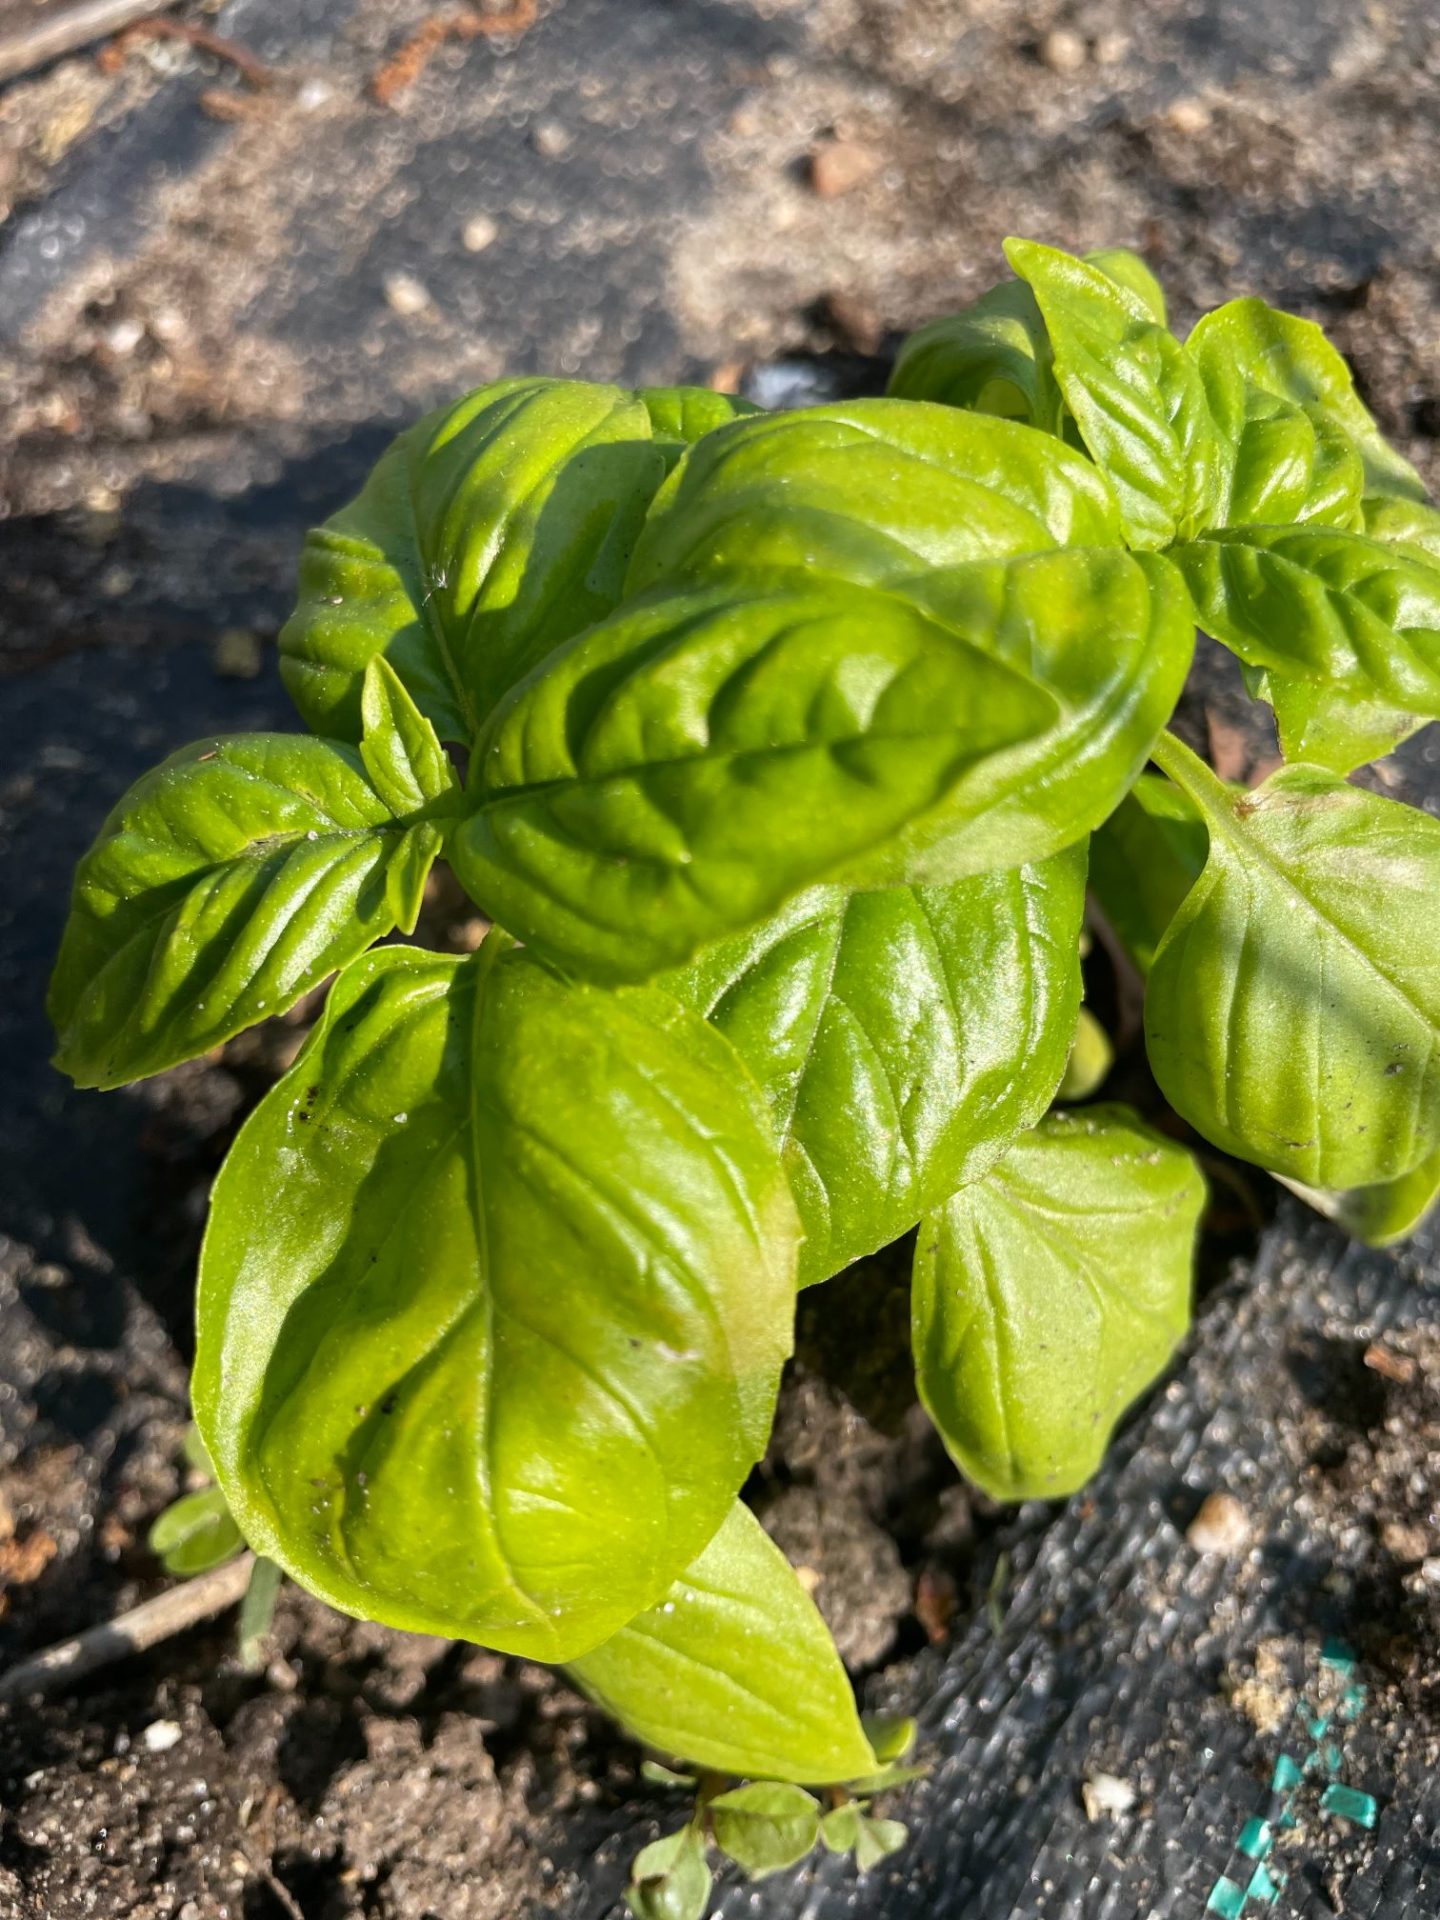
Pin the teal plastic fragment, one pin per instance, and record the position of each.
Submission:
(1349, 1803)
(1319, 1726)
(1227, 1898)
(1264, 1886)
(1352, 1703)
(1287, 1775)
(1339, 1655)
(1329, 1757)
(1256, 1839)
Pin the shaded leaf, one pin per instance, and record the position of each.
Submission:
(1293, 1011)
(840, 1828)
(1143, 862)
(734, 1670)
(765, 1827)
(670, 1879)
(1135, 393)
(404, 759)
(876, 1840)
(891, 1735)
(489, 532)
(1380, 1215)
(682, 770)
(902, 1038)
(1091, 1058)
(224, 886)
(195, 1534)
(1051, 1293)
(493, 1302)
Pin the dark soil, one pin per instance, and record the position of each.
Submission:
(206, 335)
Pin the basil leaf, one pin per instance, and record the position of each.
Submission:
(871, 492)
(670, 1879)
(683, 415)
(735, 1670)
(1293, 1011)
(1143, 862)
(1333, 619)
(1411, 525)
(402, 755)
(488, 533)
(995, 356)
(494, 1299)
(765, 1827)
(902, 1038)
(1328, 725)
(679, 772)
(1247, 344)
(195, 1534)
(876, 1840)
(224, 886)
(1383, 1214)
(1136, 395)
(840, 1828)
(1051, 1293)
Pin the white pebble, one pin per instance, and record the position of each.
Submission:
(161, 1735)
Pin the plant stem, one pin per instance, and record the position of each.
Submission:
(142, 1627)
(1193, 777)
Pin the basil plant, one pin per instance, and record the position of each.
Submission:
(777, 751)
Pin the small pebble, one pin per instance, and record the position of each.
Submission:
(1063, 51)
(161, 1735)
(1399, 1367)
(1221, 1526)
(1106, 1795)
(406, 295)
(839, 166)
(1430, 1572)
(1405, 1543)
(550, 139)
(1188, 117)
(479, 233)
(314, 94)
(1111, 49)
(125, 336)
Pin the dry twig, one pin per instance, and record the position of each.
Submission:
(409, 61)
(200, 38)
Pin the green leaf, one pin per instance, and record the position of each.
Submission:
(224, 886)
(840, 1828)
(901, 1037)
(872, 493)
(995, 356)
(734, 1670)
(1334, 619)
(257, 1614)
(876, 1840)
(1135, 394)
(891, 1736)
(765, 1827)
(1143, 862)
(1411, 525)
(1051, 1293)
(1249, 345)
(488, 533)
(404, 759)
(684, 415)
(1293, 1011)
(1380, 1215)
(885, 1781)
(195, 1534)
(670, 1879)
(495, 1294)
(682, 770)
(1091, 1058)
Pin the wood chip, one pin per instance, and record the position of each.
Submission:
(1394, 1366)
(839, 166)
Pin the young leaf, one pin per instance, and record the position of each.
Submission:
(735, 1670)
(765, 1827)
(840, 1828)
(670, 1879)
(683, 415)
(1051, 1293)
(876, 1840)
(488, 533)
(1143, 862)
(872, 492)
(195, 1533)
(891, 1736)
(257, 1614)
(1323, 612)
(901, 1037)
(493, 1302)
(995, 356)
(679, 772)
(404, 759)
(1293, 1011)
(1135, 393)
(225, 884)
(1411, 525)
(1091, 1058)
(1384, 1214)
(1249, 345)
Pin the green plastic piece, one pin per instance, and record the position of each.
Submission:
(1227, 1898)
(1256, 1839)
(1264, 1886)
(1349, 1803)
(1287, 1775)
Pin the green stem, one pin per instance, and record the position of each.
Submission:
(1194, 779)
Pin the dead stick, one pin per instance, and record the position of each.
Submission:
(64, 28)
(142, 1627)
